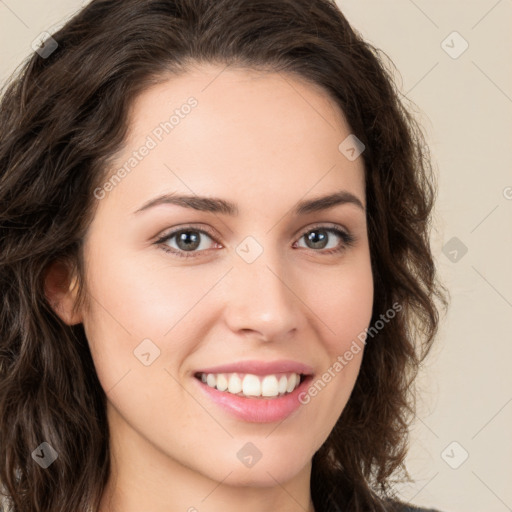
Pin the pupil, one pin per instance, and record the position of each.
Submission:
(187, 238)
(317, 241)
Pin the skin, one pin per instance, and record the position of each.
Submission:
(264, 141)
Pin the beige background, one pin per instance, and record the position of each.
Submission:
(465, 105)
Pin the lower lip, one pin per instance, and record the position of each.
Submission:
(254, 409)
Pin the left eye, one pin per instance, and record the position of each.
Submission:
(189, 243)
(319, 238)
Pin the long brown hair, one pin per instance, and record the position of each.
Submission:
(64, 114)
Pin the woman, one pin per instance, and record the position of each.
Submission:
(216, 275)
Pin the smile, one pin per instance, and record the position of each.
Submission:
(250, 385)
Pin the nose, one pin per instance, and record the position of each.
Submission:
(261, 301)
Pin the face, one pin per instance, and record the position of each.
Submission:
(179, 287)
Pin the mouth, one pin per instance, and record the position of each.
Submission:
(249, 385)
(255, 398)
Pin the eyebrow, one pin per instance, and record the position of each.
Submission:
(217, 205)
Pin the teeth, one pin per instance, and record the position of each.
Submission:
(222, 382)
(235, 384)
(283, 384)
(293, 382)
(269, 386)
(252, 385)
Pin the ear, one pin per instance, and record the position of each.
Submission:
(61, 291)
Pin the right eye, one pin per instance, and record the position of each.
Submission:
(187, 242)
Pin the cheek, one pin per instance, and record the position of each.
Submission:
(343, 310)
(140, 299)
(343, 303)
(133, 301)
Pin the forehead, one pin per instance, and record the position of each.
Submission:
(263, 103)
(238, 132)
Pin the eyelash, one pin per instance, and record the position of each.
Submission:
(348, 240)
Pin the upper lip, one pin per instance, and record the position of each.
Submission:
(261, 367)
